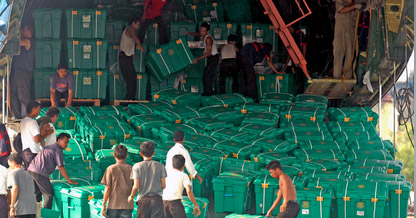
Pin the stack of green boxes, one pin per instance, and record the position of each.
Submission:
(87, 51)
(48, 48)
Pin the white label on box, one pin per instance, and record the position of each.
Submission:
(86, 25)
(87, 56)
(217, 36)
(260, 40)
(87, 80)
(305, 211)
(86, 18)
(87, 48)
(360, 213)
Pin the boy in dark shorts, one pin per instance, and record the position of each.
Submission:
(149, 181)
(118, 186)
(290, 207)
(176, 181)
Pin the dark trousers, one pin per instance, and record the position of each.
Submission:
(59, 96)
(129, 74)
(248, 83)
(119, 213)
(3, 161)
(209, 74)
(150, 207)
(28, 156)
(292, 210)
(299, 78)
(174, 209)
(4, 206)
(161, 28)
(26, 216)
(43, 186)
(20, 92)
(228, 67)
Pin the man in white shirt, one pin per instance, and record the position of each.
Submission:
(179, 138)
(31, 135)
(176, 181)
(4, 206)
(51, 117)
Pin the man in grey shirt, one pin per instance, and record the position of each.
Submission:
(22, 189)
(149, 180)
(62, 86)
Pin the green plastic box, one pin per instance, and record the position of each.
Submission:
(169, 58)
(45, 212)
(47, 23)
(205, 12)
(86, 53)
(308, 100)
(266, 157)
(67, 117)
(258, 107)
(280, 99)
(178, 29)
(223, 113)
(200, 140)
(262, 118)
(76, 149)
(361, 198)
(349, 135)
(372, 145)
(330, 174)
(47, 53)
(394, 167)
(266, 188)
(177, 97)
(380, 177)
(330, 154)
(147, 108)
(306, 126)
(104, 110)
(57, 186)
(208, 124)
(232, 135)
(114, 30)
(208, 153)
(140, 60)
(302, 114)
(207, 169)
(353, 155)
(261, 130)
(42, 78)
(221, 30)
(281, 146)
(297, 135)
(105, 136)
(318, 144)
(237, 11)
(314, 202)
(189, 207)
(75, 200)
(365, 169)
(276, 83)
(226, 100)
(238, 150)
(178, 114)
(165, 133)
(89, 172)
(145, 122)
(353, 114)
(396, 205)
(90, 84)
(262, 33)
(233, 192)
(86, 23)
(112, 56)
(335, 126)
(117, 88)
(319, 164)
(232, 164)
(86, 121)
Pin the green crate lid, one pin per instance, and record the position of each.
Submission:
(146, 108)
(202, 203)
(263, 118)
(235, 177)
(278, 97)
(261, 130)
(318, 144)
(308, 126)
(231, 134)
(76, 149)
(168, 145)
(292, 170)
(319, 164)
(395, 186)
(371, 145)
(328, 174)
(336, 126)
(266, 157)
(308, 154)
(45, 212)
(226, 100)
(201, 140)
(104, 110)
(179, 114)
(322, 182)
(380, 177)
(266, 180)
(208, 153)
(303, 113)
(257, 107)
(237, 149)
(133, 145)
(60, 184)
(353, 155)
(364, 169)
(89, 192)
(207, 123)
(269, 144)
(362, 190)
(314, 194)
(235, 215)
(393, 166)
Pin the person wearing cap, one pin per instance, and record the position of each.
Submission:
(62, 86)
(178, 148)
(229, 66)
(251, 54)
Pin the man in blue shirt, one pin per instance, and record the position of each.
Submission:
(44, 164)
(62, 86)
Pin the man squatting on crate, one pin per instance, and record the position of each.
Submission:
(251, 54)
(290, 207)
(211, 54)
(62, 86)
(127, 47)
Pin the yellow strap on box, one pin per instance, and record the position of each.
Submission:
(156, 96)
(235, 155)
(174, 102)
(225, 105)
(347, 119)
(318, 198)
(98, 12)
(215, 4)
(300, 174)
(374, 199)
(244, 111)
(155, 25)
(249, 27)
(76, 42)
(288, 116)
(90, 197)
(76, 72)
(99, 42)
(178, 121)
(346, 198)
(116, 76)
(390, 171)
(265, 185)
(370, 119)
(399, 192)
(72, 118)
(102, 136)
(229, 25)
(318, 186)
(312, 119)
(256, 159)
(323, 169)
(127, 136)
(139, 127)
(99, 73)
(193, 7)
(139, 76)
(184, 81)
(158, 51)
(115, 47)
(271, 27)
(280, 77)
(261, 78)
(74, 12)
(179, 41)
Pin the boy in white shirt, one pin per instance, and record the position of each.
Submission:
(176, 181)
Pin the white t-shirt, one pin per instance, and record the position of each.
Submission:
(51, 139)
(175, 183)
(29, 129)
(179, 149)
(3, 179)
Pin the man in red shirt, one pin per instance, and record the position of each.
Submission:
(152, 13)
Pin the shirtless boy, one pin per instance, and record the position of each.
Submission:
(290, 207)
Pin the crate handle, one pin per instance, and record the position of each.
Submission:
(228, 195)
